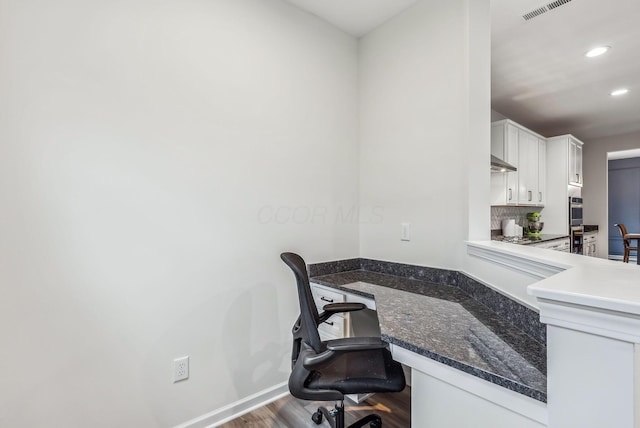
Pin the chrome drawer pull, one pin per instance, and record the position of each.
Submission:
(326, 300)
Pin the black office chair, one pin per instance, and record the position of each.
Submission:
(326, 371)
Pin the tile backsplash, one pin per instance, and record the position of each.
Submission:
(518, 213)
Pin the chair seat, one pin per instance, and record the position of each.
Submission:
(359, 372)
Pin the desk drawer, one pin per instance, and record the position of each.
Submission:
(333, 328)
(322, 296)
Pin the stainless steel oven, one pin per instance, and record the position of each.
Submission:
(575, 213)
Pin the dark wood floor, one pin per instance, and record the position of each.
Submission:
(289, 412)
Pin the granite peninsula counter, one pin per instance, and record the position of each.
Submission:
(438, 317)
(591, 308)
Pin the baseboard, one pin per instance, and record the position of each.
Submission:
(632, 259)
(239, 408)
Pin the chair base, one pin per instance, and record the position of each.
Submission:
(335, 418)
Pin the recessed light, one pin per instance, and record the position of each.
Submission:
(619, 92)
(597, 51)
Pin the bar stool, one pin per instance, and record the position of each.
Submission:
(627, 242)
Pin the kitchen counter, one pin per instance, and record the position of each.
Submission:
(527, 240)
(445, 324)
(591, 308)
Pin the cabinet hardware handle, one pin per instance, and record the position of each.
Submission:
(530, 195)
(539, 196)
(578, 177)
(326, 300)
(329, 322)
(510, 194)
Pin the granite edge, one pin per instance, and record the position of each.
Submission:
(474, 371)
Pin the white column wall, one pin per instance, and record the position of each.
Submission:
(424, 133)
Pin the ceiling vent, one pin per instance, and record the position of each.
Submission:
(544, 9)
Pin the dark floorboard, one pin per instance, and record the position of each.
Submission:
(289, 412)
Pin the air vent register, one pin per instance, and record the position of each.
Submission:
(544, 9)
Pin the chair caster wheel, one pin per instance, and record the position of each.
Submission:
(317, 417)
(375, 424)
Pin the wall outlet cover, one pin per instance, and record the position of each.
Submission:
(180, 369)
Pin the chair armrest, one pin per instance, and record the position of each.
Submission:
(355, 344)
(333, 308)
(344, 307)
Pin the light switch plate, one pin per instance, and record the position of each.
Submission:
(405, 232)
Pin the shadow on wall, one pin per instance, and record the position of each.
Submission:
(250, 323)
(233, 338)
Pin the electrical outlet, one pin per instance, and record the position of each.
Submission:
(180, 369)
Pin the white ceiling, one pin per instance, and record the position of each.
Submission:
(356, 17)
(540, 76)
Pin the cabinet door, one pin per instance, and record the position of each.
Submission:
(542, 171)
(334, 327)
(511, 149)
(579, 163)
(575, 162)
(527, 168)
(572, 162)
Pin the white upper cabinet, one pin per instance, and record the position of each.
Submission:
(571, 149)
(542, 170)
(564, 175)
(575, 161)
(525, 150)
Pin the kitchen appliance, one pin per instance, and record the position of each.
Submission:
(575, 213)
(576, 224)
(498, 165)
(509, 227)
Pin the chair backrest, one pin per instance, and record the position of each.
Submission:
(309, 318)
(623, 231)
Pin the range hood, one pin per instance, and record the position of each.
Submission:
(498, 165)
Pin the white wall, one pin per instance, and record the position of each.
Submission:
(424, 133)
(595, 189)
(145, 147)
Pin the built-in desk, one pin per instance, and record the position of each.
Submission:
(459, 350)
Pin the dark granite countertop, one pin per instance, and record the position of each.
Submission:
(589, 228)
(527, 240)
(444, 323)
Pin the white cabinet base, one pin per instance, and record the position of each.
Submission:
(435, 403)
(590, 372)
(442, 396)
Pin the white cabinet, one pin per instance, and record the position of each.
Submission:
(334, 327)
(525, 150)
(504, 145)
(564, 180)
(542, 171)
(439, 392)
(575, 161)
(527, 168)
(589, 244)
